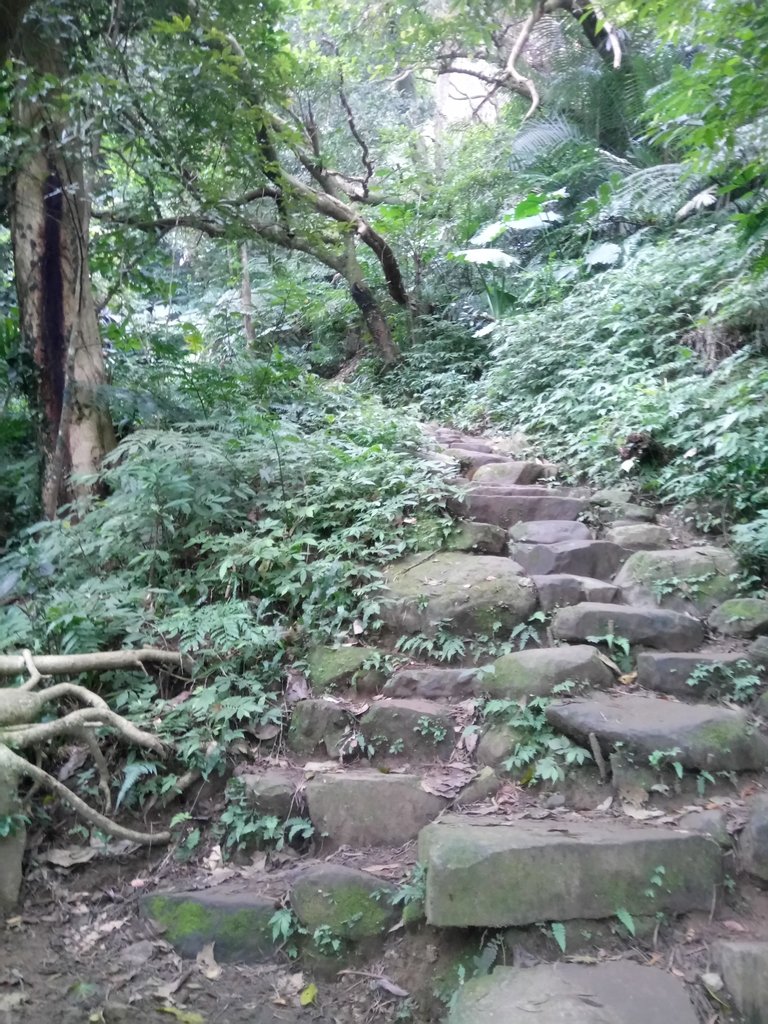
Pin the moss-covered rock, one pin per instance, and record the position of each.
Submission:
(477, 538)
(238, 922)
(351, 904)
(691, 580)
(333, 668)
(535, 673)
(742, 616)
(468, 594)
(416, 730)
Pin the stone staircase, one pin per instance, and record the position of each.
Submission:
(394, 765)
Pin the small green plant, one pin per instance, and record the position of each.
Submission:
(655, 882)
(431, 729)
(11, 823)
(688, 586)
(286, 930)
(413, 889)
(442, 646)
(241, 824)
(530, 630)
(737, 682)
(660, 759)
(619, 647)
(542, 755)
(701, 782)
(326, 942)
(558, 934)
(625, 918)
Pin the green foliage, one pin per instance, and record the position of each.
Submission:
(738, 682)
(626, 919)
(241, 825)
(541, 754)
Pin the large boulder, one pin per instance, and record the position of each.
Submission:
(616, 992)
(549, 531)
(538, 672)
(649, 627)
(742, 616)
(467, 594)
(698, 736)
(691, 580)
(501, 874)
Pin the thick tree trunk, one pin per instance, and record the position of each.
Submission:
(49, 226)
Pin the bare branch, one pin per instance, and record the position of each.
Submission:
(103, 661)
(365, 152)
(511, 69)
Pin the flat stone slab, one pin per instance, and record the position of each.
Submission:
(507, 509)
(433, 683)
(650, 627)
(682, 579)
(704, 736)
(334, 668)
(236, 920)
(468, 594)
(549, 531)
(744, 968)
(538, 672)
(608, 993)
(560, 590)
(524, 872)
(368, 808)
(753, 841)
(471, 460)
(639, 536)
(690, 675)
(598, 559)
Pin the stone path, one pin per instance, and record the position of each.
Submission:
(641, 646)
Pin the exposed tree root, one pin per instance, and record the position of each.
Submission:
(14, 767)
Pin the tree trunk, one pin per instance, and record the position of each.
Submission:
(59, 324)
(246, 298)
(365, 300)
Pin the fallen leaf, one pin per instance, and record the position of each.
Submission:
(358, 627)
(68, 856)
(628, 679)
(734, 926)
(138, 953)
(297, 687)
(308, 996)
(76, 760)
(605, 804)
(712, 981)
(641, 813)
(266, 732)
(206, 961)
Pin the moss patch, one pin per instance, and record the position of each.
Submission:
(351, 904)
(331, 668)
(237, 923)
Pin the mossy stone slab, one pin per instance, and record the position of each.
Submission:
(334, 668)
(742, 616)
(691, 580)
(237, 922)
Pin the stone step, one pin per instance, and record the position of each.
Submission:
(364, 807)
(615, 992)
(650, 627)
(597, 559)
(742, 616)
(537, 672)
(471, 461)
(549, 531)
(522, 873)
(558, 590)
(454, 684)
(639, 536)
(467, 593)
(507, 509)
(702, 737)
(477, 538)
(413, 730)
(514, 472)
(692, 675)
(744, 968)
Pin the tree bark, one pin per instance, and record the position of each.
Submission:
(11, 13)
(59, 324)
(246, 297)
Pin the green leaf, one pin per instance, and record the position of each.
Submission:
(626, 919)
(558, 934)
